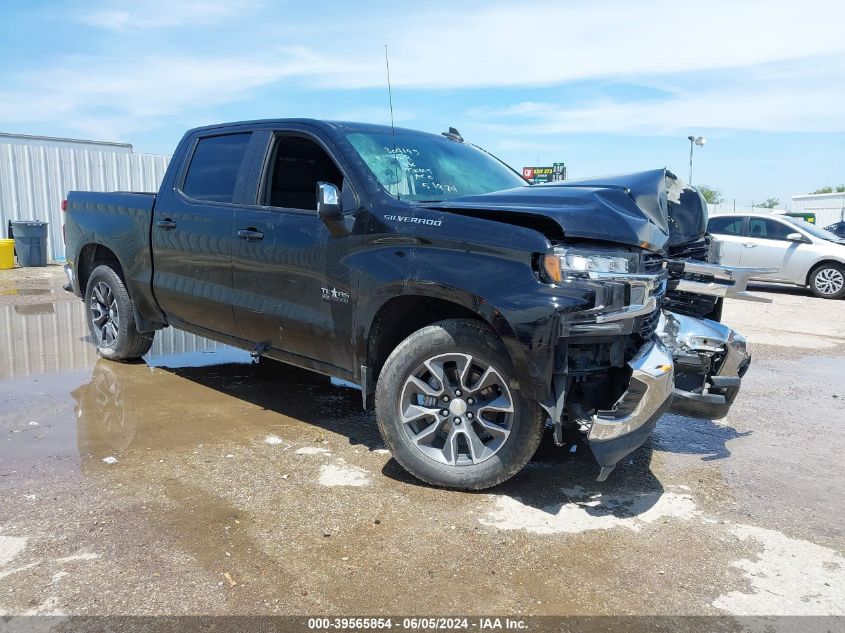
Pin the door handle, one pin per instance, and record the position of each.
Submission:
(166, 224)
(749, 244)
(250, 234)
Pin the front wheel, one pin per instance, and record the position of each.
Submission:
(450, 410)
(828, 281)
(111, 320)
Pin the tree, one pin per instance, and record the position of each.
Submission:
(711, 194)
(824, 190)
(840, 189)
(770, 203)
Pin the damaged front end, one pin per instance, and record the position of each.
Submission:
(653, 342)
(613, 391)
(710, 360)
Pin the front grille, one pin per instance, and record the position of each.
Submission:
(691, 304)
(699, 250)
(648, 324)
(652, 263)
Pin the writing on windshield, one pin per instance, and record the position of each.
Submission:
(427, 167)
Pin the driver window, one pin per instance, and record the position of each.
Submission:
(297, 165)
(768, 229)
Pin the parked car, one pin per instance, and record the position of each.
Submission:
(799, 252)
(837, 228)
(471, 308)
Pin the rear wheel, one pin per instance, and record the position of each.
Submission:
(828, 281)
(450, 410)
(111, 320)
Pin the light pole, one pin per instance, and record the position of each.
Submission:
(694, 140)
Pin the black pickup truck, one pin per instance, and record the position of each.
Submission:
(473, 309)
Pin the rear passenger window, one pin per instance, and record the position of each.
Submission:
(731, 226)
(214, 167)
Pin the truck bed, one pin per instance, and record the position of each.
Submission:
(120, 222)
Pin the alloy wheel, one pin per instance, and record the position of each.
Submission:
(829, 281)
(457, 409)
(104, 314)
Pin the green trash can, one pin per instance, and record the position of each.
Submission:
(30, 242)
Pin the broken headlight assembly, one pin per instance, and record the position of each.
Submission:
(626, 283)
(581, 263)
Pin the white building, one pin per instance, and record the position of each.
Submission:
(828, 207)
(36, 172)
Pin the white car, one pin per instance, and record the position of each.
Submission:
(802, 253)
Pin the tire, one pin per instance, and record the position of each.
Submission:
(111, 320)
(489, 431)
(827, 281)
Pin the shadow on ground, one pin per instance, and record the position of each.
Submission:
(693, 436)
(780, 289)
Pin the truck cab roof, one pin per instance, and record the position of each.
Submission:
(322, 124)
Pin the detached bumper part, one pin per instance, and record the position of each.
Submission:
(716, 280)
(710, 360)
(617, 432)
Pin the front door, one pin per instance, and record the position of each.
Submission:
(765, 246)
(192, 234)
(294, 289)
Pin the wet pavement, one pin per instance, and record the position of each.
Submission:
(199, 482)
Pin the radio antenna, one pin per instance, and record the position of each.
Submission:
(392, 127)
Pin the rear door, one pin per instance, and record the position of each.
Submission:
(294, 288)
(728, 230)
(192, 232)
(765, 246)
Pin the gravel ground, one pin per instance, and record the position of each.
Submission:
(200, 483)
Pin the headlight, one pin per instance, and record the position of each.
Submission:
(567, 263)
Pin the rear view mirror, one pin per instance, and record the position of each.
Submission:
(328, 200)
(796, 237)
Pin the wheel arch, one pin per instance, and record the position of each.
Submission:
(390, 321)
(92, 255)
(821, 263)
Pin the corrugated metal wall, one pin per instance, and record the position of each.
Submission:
(34, 179)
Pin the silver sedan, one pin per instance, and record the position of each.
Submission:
(802, 253)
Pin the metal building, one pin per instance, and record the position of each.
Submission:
(828, 207)
(36, 172)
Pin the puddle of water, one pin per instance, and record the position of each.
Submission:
(35, 308)
(25, 291)
(199, 358)
(53, 337)
(61, 406)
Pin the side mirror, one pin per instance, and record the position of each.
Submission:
(328, 200)
(797, 237)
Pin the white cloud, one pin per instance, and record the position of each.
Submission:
(146, 14)
(117, 97)
(509, 45)
(244, 46)
(767, 108)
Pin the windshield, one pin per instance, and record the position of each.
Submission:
(812, 229)
(422, 167)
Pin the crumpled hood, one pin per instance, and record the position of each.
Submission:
(650, 209)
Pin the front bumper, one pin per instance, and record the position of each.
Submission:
(617, 432)
(710, 360)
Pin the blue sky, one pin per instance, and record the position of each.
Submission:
(604, 86)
